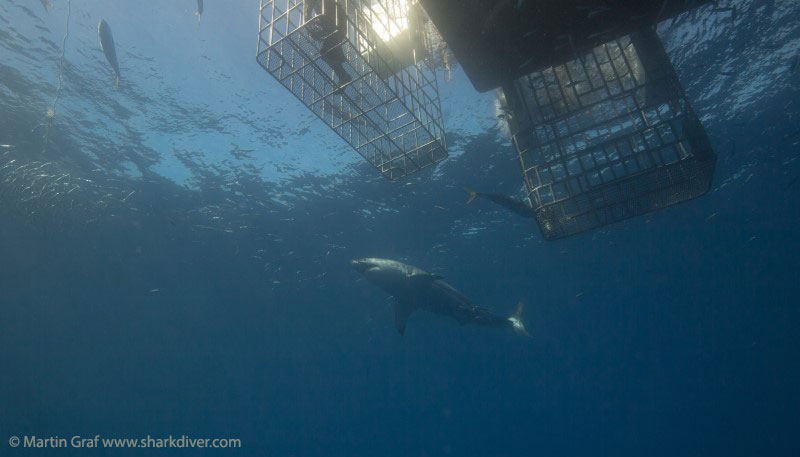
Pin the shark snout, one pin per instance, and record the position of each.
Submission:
(361, 265)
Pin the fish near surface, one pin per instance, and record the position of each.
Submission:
(107, 43)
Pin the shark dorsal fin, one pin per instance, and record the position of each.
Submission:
(401, 312)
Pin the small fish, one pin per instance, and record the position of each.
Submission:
(107, 43)
(791, 135)
(711, 217)
(153, 291)
(6, 146)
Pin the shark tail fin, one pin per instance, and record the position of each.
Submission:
(516, 320)
(472, 194)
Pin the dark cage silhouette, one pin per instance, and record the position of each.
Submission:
(607, 136)
(365, 69)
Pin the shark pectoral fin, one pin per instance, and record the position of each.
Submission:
(401, 313)
(425, 279)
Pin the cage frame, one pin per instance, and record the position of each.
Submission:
(393, 120)
(566, 203)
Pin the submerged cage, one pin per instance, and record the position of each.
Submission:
(389, 111)
(606, 136)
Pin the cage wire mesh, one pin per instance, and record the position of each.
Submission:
(607, 136)
(389, 111)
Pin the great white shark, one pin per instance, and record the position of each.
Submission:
(413, 289)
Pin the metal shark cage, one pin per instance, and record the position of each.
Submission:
(390, 111)
(607, 136)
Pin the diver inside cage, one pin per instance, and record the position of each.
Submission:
(331, 30)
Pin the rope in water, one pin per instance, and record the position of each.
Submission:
(51, 112)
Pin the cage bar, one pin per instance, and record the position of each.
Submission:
(607, 136)
(390, 111)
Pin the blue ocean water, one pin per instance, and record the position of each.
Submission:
(174, 259)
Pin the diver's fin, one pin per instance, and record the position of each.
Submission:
(472, 195)
(516, 320)
(401, 313)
